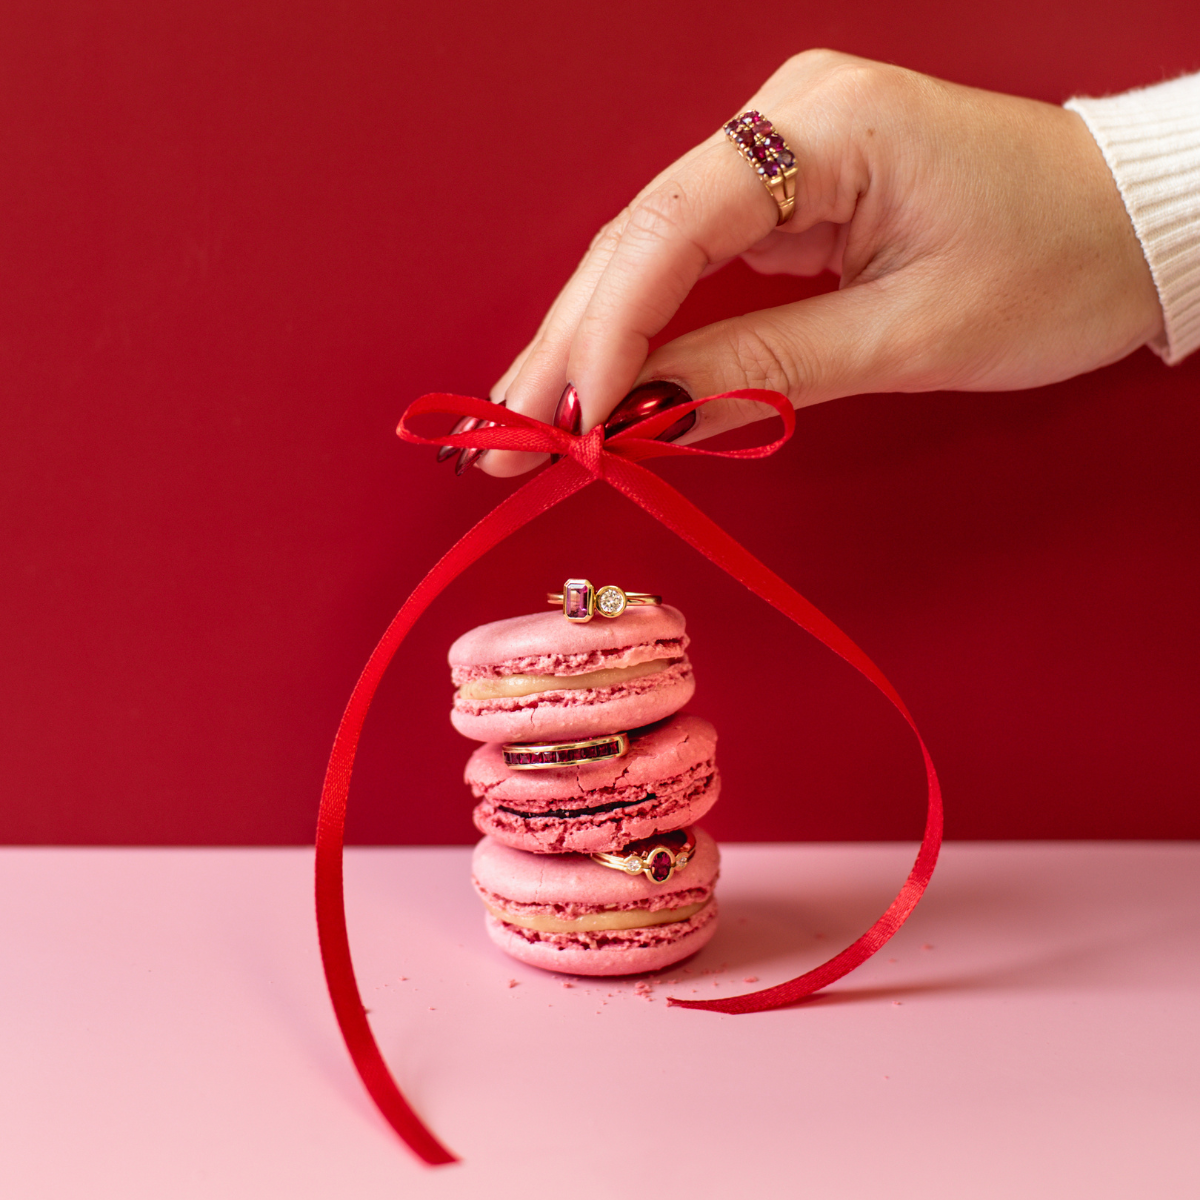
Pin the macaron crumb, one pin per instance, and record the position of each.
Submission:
(897, 1003)
(750, 979)
(514, 983)
(926, 946)
(570, 985)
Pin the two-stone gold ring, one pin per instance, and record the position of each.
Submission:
(581, 601)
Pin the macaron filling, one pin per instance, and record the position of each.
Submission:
(616, 918)
(563, 693)
(641, 938)
(567, 663)
(496, 687)
(667, 795)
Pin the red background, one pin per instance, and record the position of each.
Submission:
(238, 238)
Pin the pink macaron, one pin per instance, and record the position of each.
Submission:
(668, 779)
(567, 912)
(541, 677)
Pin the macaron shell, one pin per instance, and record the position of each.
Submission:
(667, 780)
(612, 959)
(605, 832)
(575, 880)
(547, 643)
(564, 715)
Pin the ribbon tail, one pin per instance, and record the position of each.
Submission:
(541, 493)
(681, 516)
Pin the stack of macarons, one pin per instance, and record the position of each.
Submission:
(588, 784)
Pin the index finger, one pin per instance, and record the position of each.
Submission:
(701, 211)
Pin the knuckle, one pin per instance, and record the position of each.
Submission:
(819, 57)
(658, 214)
(854, 79)
(609, 234)
(762, 362)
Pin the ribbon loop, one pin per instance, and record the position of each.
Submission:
(582, 461)
(588, 452)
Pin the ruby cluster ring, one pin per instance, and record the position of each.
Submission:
(755, 139)
(581, 601)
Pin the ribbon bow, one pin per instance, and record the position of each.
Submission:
(583, 459)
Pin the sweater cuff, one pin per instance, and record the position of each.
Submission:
(1151, 141)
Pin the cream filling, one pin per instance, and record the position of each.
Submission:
(624, 918)
(508, 687)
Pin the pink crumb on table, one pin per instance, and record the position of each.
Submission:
(750, 979)
(926, 946)
(514, 983)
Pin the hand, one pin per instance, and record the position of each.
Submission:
(981, 242)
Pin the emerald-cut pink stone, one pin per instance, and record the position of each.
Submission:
(577, 600)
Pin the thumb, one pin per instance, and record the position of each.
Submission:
(861, 339)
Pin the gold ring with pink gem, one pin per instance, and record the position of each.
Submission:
(581, 601)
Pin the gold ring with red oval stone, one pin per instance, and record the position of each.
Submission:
(581, 601)
(657, 862)
(756, 141)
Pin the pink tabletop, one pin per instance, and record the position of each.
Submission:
(1032, 1033)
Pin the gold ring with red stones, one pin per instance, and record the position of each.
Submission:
(657, 862)
(756, 141)
(581, 601)
(539, 756)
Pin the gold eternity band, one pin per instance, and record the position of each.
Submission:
(538, 756)
(756, 141)
(581, 601)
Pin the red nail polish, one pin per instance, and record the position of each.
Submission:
(569, 413)
(646, 400)
(462, 425)
(470, 455)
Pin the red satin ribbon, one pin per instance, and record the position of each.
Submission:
(585, 459)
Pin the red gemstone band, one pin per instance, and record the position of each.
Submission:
(757, 142)
(581, 601)
(539, 756)
(658, 862)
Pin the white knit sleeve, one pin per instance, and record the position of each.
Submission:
(1151, 141)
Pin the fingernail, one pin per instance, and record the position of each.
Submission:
(646, 400)
(470, 455)
(569, 413)
(462, 425)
